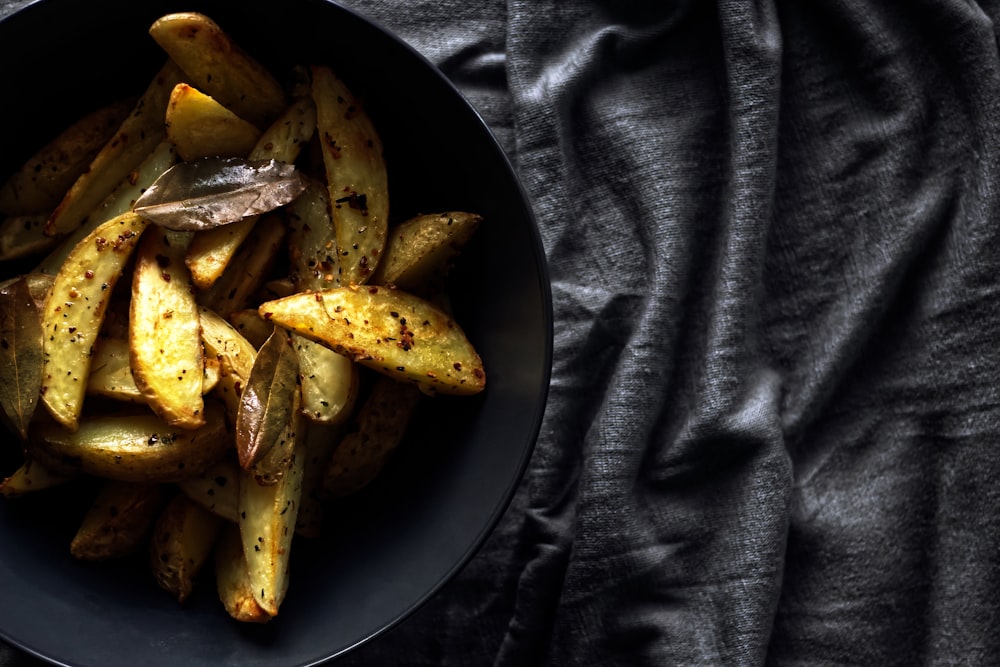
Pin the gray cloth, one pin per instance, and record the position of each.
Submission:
(772, 234)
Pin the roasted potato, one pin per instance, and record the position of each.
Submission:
(232, 579)
(356, 176)
(31, 476)
(198, 126)
(41, 182)
(118, 520)
(182, 541)
(132, 447)
(136, 138)
(219, 67)
(388, 330)
(377, 431)
(74, 312)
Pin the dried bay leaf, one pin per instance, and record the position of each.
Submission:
(20, 354)
(268, 400)
(209, 193)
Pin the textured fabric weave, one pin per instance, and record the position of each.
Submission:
(772, 234)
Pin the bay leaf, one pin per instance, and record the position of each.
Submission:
(20, 354)
(208, 193)
(268, 401)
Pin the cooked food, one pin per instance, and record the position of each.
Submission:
(223, 325)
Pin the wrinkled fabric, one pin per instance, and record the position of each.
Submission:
(771, 228)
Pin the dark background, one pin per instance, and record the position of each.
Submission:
(772, 236)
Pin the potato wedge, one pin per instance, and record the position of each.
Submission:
(133, 447)
(121, 200)
(111, 374)
(136, 138)
(24, 235)
(251, 325)
(268, 516)
(356, 176)
(198, 126)
(41, 182)
(388, 330)
(74, 312)
(378, 429)
(215, 64)
(320, 440)
(31, 476)
(216, 489)
(246, 273)
(235, 355)
(182, 541)
(232, 579)
(118, 520)
(165, 350)
(419, 250)
(329, 380)
(212, 250)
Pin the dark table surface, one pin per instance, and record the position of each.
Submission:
(772, 229)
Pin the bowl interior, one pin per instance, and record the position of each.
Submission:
(391, 547)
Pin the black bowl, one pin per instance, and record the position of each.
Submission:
(392, 547)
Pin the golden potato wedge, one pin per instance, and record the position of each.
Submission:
(199, 127)
(111, 374)
(246, 273)
(388, 330)
(212, 250)
(216, 489)
(356, 176)
(235, 355)
(165, 350)
(133, 447)
(136, 138)
(378, 429)
(121, 200)
(182, 541)
(329, 381)
(74, 312)
(214, 63)
(267, 521)
(29, 477)
(24, 235)
(118, 520)
(419, 250)
(41, 182)
(232, 579)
